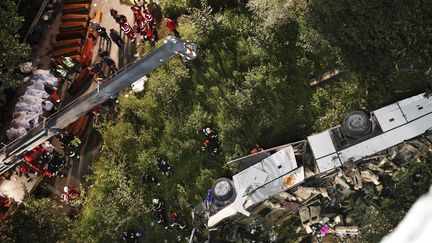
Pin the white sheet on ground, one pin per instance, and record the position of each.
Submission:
(26, 115)
(36, 92)
(417, 224)
(30, 99)
(35, 108)
(19, 122)
(138, 86)
(14, 133)
(38, 85)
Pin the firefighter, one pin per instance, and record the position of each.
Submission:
(116, 38)
(171, 25)
(5, 204)
(175, 221)
(109, 61)
(158, 211)
(96, 70)
(149, 34)
(69, 143)
(60, 71)
(164, 167)
(149, 179)
(255, 150)
(102, 33)
(56, 164)
(70, 64)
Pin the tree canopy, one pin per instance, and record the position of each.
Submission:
(12, 52)
(36, 220)
(250, 84)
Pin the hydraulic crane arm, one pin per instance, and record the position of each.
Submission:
(12, 152)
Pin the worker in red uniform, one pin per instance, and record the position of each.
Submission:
(125, 27)
(151, 23)
(149, 34)
(171, 25)
(52, 91)
(30, 159)
(38, 150)
(140, 24)
(24, 169)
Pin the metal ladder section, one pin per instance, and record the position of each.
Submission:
(11, 153)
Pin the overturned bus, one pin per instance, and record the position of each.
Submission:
(258, 192)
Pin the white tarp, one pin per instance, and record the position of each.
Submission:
(29, 106)
(417, 224)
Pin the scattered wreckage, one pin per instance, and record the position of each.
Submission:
(311, 176)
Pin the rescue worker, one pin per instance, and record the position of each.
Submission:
(60, 71)
(116, 38)
(208, 200)
(70, 64)
(255, 150)
(5, 204)
(171, 25)
(102, 33)
(52, 91)
(109, 61)
(175, 221)
(158, 211)
(55, 165)
(96, 70)
(149, 179)
(140, 24)
(151, 23)
(125, 27)
(164, 167)
(69, 143)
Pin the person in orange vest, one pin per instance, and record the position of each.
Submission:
(171, 25)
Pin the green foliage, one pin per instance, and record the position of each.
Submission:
(330, 108)
(11, 51)
(286, 232)
(36, 220)
(250, 83)
(174, 8)
(381, 39)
